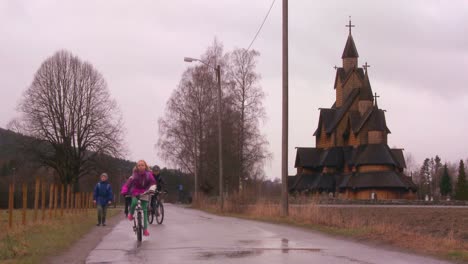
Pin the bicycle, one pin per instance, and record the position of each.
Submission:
(138, 220)
(157, 209)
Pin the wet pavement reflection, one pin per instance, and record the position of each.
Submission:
(190, 236)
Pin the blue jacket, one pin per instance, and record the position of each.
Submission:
(103, 193)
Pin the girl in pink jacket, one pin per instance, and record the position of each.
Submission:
(141, 180)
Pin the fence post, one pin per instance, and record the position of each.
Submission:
(10, 204)
(43, 200)
(36, 197)
(51, 199)
(56, 199)
(73, 200)
(68, 198)
(82, 199)
(78, 199)
(25, 202)
(90, 200)
(62, 198)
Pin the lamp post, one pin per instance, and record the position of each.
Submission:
(284, 145)
(220, 137)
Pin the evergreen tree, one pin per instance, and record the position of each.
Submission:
(445, 182)
(436, 177)
(461, 190)
(425, 178)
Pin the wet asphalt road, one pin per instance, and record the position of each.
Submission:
(191, 236)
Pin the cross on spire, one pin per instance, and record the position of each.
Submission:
(350, 25)
(375, 96)
(365, 66)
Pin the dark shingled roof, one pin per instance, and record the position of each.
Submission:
(350, 50)
(398, 155)
(366, 90)
(314, 181)
(369, 154)
(377, 121)
(291, 181)
(308, 157)
(343, 76)
(374, 117)
(376, 179)
(332, 157)
(374, 154)
(332, 117)
(319, 157)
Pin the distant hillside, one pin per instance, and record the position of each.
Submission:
(19, 165)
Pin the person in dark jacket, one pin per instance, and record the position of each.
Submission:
(102, 198)
(159, 183)
(128, 198)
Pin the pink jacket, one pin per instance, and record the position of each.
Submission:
(138, 183)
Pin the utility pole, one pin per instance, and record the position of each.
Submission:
(284, 148)
(220, 140)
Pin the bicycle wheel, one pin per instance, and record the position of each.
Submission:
(150, 213)
(139, 227)
(160, 214)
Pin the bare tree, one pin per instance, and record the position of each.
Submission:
(69, 111)
(247, 100)
(188, 131)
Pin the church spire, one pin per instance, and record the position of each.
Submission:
(350, 54)
(350, 50)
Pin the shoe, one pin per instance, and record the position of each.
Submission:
(103, 224)
(145, 232)
(130, 217)
(98, 224)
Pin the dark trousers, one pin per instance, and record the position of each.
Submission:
(101, 210)
(128, 202)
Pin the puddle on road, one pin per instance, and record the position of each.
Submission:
(241, 253)
(254, 248)
(229, 254)
(250, 242)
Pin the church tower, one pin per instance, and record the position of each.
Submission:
(350, 55)
(351, 156)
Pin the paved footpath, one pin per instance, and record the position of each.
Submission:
(191, 236)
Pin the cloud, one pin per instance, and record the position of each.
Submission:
(418, 52)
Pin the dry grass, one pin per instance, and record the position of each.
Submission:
(441, 232)
(33, 242)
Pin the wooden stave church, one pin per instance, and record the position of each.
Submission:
(352, 159)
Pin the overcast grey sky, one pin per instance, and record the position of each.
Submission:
(418, 52)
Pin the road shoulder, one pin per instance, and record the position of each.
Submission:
(79, 251)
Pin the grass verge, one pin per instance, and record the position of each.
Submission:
(31, 244)
(436, 232)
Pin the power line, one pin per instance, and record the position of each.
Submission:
(261, 26)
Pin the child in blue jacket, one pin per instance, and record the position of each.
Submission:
(102, 198)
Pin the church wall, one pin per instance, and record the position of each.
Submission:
(379, 194)
(353, 82)
(349, 63)
(369, 168)
(363, 135)
(339, 94)
(307, 170)
(325, 141)
(376, 137)
(364, 106)
(340, 130)
(353, 140)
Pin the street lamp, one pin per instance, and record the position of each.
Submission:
(220, 144)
